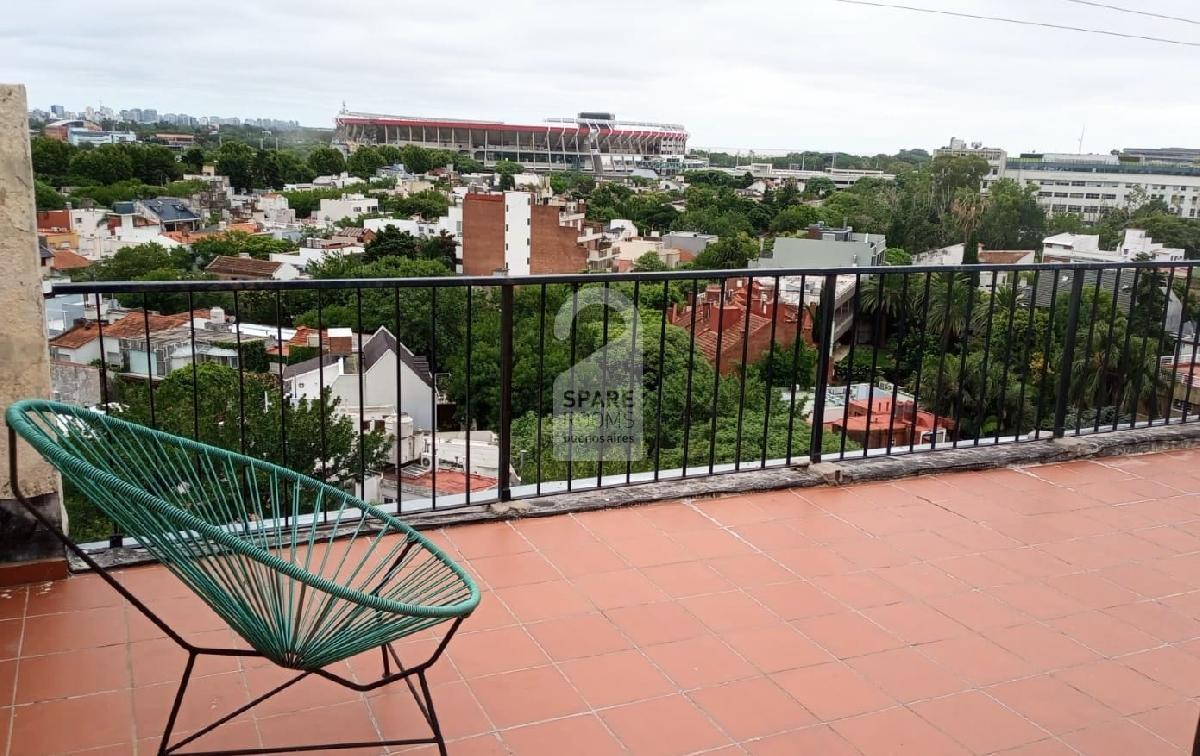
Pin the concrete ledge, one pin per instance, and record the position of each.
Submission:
(946, 459)
(802, 475)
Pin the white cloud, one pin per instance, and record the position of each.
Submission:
(766, 74)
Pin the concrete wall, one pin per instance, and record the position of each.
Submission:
(24, 356)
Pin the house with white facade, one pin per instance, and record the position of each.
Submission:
(381, 358)
(346, 206)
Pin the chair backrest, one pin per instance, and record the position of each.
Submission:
(188, 503)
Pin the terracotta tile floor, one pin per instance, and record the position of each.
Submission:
(1047, 610)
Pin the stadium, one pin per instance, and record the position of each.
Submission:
(595, 142)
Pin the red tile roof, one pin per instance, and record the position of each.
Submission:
(450, 481)
(134, 324)
(65, 259)
(77, 337)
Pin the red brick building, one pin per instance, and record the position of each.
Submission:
(518, 232)
(727, 320)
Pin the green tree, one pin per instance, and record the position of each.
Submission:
(266, 172)
(235, 160)
(47, 198)
(193, 160)
(106, 164)
(234, 243)
(1012, 217)
(51, 157)
(649, 262)
(795, 218)
(727, 252)
(326, 161)
(364, 162)
(416, 159)
(153, 163)
(819, 187)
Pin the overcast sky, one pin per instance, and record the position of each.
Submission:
(766, 74)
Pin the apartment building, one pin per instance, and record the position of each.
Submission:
(517, 233)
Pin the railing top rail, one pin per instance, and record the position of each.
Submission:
(117, 287)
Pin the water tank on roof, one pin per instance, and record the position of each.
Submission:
(216, 315)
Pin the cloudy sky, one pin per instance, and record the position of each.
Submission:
(765, 74)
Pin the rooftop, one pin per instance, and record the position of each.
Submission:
(1048, 610)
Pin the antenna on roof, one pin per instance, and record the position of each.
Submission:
(1081, 133)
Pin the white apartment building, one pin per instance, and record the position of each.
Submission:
(97, 240)
(1089, 185)
(346, 206)
(1086, 248)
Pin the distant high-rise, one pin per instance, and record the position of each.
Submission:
(58, 111)
(149, 115)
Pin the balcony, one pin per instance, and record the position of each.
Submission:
(1048, 609)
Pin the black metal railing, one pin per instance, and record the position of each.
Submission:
(735, 370)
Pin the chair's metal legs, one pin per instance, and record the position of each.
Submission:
(431, 714)
(183, 683)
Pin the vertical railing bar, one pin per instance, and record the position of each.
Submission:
(876, 327)
(1100, 396)
(321, 390)
(1028, 351)
(856, 303)
(826, 308)
(541, 379)
(103, 353)
(1067, 366)
(399, 401)
(1087, 351)
(467, 379)
(794, 374)
(1137, 272)
(603, 379)
(662, 349)
(968, 328)
(1187, 397)
(1037, 418)
(712, 428)
(195, 376)
(1162, 339)
(1177, 349)
(433, 405)
(115, 539)
(283, 400)
(737, 443)
(634, 347)
(571, 380)
(687, 412)
(504, 473)
(896, 362)
(149, 358)
(983, 371)
(362, 403)
(770, 378)
(912, 439)
(945, 346)
(237, 330)
(1008, 342)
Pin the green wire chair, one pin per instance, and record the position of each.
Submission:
(305, 573)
